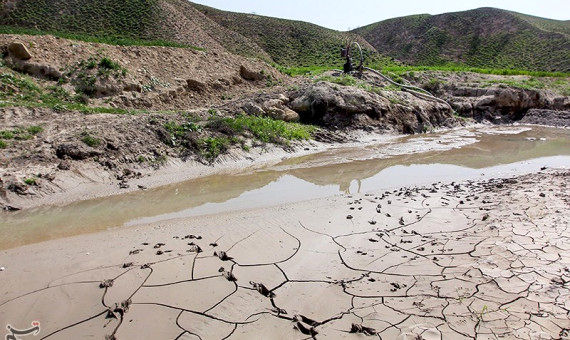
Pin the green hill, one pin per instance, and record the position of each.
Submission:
(484, 37)
(288, 42)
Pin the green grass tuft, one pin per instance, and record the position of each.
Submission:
(90, 140)
(265, 129)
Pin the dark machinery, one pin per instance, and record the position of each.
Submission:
(349, 68)
(347, 53)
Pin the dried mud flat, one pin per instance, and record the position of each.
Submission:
(468, 260)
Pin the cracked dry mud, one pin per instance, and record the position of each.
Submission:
(468, 260)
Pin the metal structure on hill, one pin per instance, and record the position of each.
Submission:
(347, 52)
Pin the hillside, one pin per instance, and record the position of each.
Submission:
(288, 42)
(135, 22)
(484, 37)
(178, 22)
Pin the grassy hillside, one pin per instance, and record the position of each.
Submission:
(121, 22)
(288, 42)
(484, 37)
(133, 19)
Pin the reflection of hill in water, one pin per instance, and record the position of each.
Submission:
(491, 150)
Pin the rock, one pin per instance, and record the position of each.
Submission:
(35, 69)
(195, 85)
(19, 51)
(15, 186)
(248, 74)
(64, 165)
(547, 117)
(252, 109)
(284, 114)
(132, 88)
(337, 106)
(75, 151)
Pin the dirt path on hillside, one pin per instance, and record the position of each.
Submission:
(461, 260)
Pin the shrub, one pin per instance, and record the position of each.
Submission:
(90, 140)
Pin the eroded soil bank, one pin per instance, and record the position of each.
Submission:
(463, 260)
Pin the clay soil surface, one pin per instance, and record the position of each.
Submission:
(468, 260)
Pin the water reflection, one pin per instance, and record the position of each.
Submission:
(406, 161)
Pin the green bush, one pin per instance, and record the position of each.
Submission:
(30, 181)
(265, 129)
(90, 140)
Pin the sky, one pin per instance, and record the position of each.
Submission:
(344, 15)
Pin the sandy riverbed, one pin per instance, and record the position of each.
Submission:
(476, 259)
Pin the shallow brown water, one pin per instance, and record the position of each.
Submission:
(413, 160)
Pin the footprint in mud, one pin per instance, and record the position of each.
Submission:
(356, 328)
(194, 248)
(261, 289)
(222, 255)
(228, 275)
(106, 284)
(311, 331)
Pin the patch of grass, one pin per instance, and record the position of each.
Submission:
(109, 64)
(35, 129)
(101, 39)
(403, 69)
(265, 129)
(90, 140)
(30, 181)
(86, 73)
(21, 133)
(18, 90)
(211, 147)
(3, 144)
(178, 131)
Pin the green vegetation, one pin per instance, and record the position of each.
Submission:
(110, 40)
(20, 133)
(117, 22)
(19, 90)
(289, 43)
(3, 144)
(30, 181)
(86, 73)
(211, 147)
(90, 140)
(404, 69)
(265, 129)
(510, 41)
(561, 86)
(215, 136)
(178, 132)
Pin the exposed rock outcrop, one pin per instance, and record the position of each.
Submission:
(341, 106)
(547, 117)
(19, 51)
(249, 74)
(274, 106)
(503, 104)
